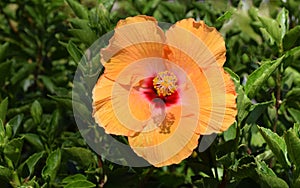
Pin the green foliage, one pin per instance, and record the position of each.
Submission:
(277, 145)
(42, 42)
(260, 75)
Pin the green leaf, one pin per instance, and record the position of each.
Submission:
(15, 123)
(243, 168)
(3, 109)
(293, 147)
(226, 160)
(78, 9)
(81, 155)
(243, 105)
(80, 23)
(36, 112)
(264, 169)
(174, 7)
(52, 165)
(22, 73)
(32, 161)
(260, 75)
(55, 120)
(53, 128)
(292, 57)
(293, 94)
(272, 27)
(297, 182)
(5, 71)
(256, 110)
(86, 36)
(5, 173)
(296, 129)
(226, 16)
(3, 51)
(276, 144)
(13, 149)
(267, 178)
(257, 139)
(64, 101)
(81, 109)
(29, 125)
(291, 37)
(282, 19)
(34, 140)
(151, 5)
(294, 52)
(267, 36)
(289, 77)
(166, 12)
(73, 178)
(75, 53)
(8, 131)
(48, 83)
(108, 4)
(80, 184)
(233, 76)
(230, 133)
(269, 181)
(2, 134)
(99, 20)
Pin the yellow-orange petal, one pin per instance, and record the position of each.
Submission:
(135, 19)
(199, 41)
(134, 39)
(168, 144)
(219, 113)
(231, 110)
(103, 110)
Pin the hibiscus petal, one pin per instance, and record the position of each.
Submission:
(217, 115)
(135, 38)
(168, 143)
(199, 41)
(103, 109)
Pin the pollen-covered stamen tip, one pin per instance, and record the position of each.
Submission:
(165, 83)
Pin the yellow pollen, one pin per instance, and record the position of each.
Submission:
(165, 83)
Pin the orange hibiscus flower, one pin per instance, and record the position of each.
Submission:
(164, 89)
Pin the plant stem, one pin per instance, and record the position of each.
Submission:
(224, 179)
(102, 179)
(278, 89)
(278, 101)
